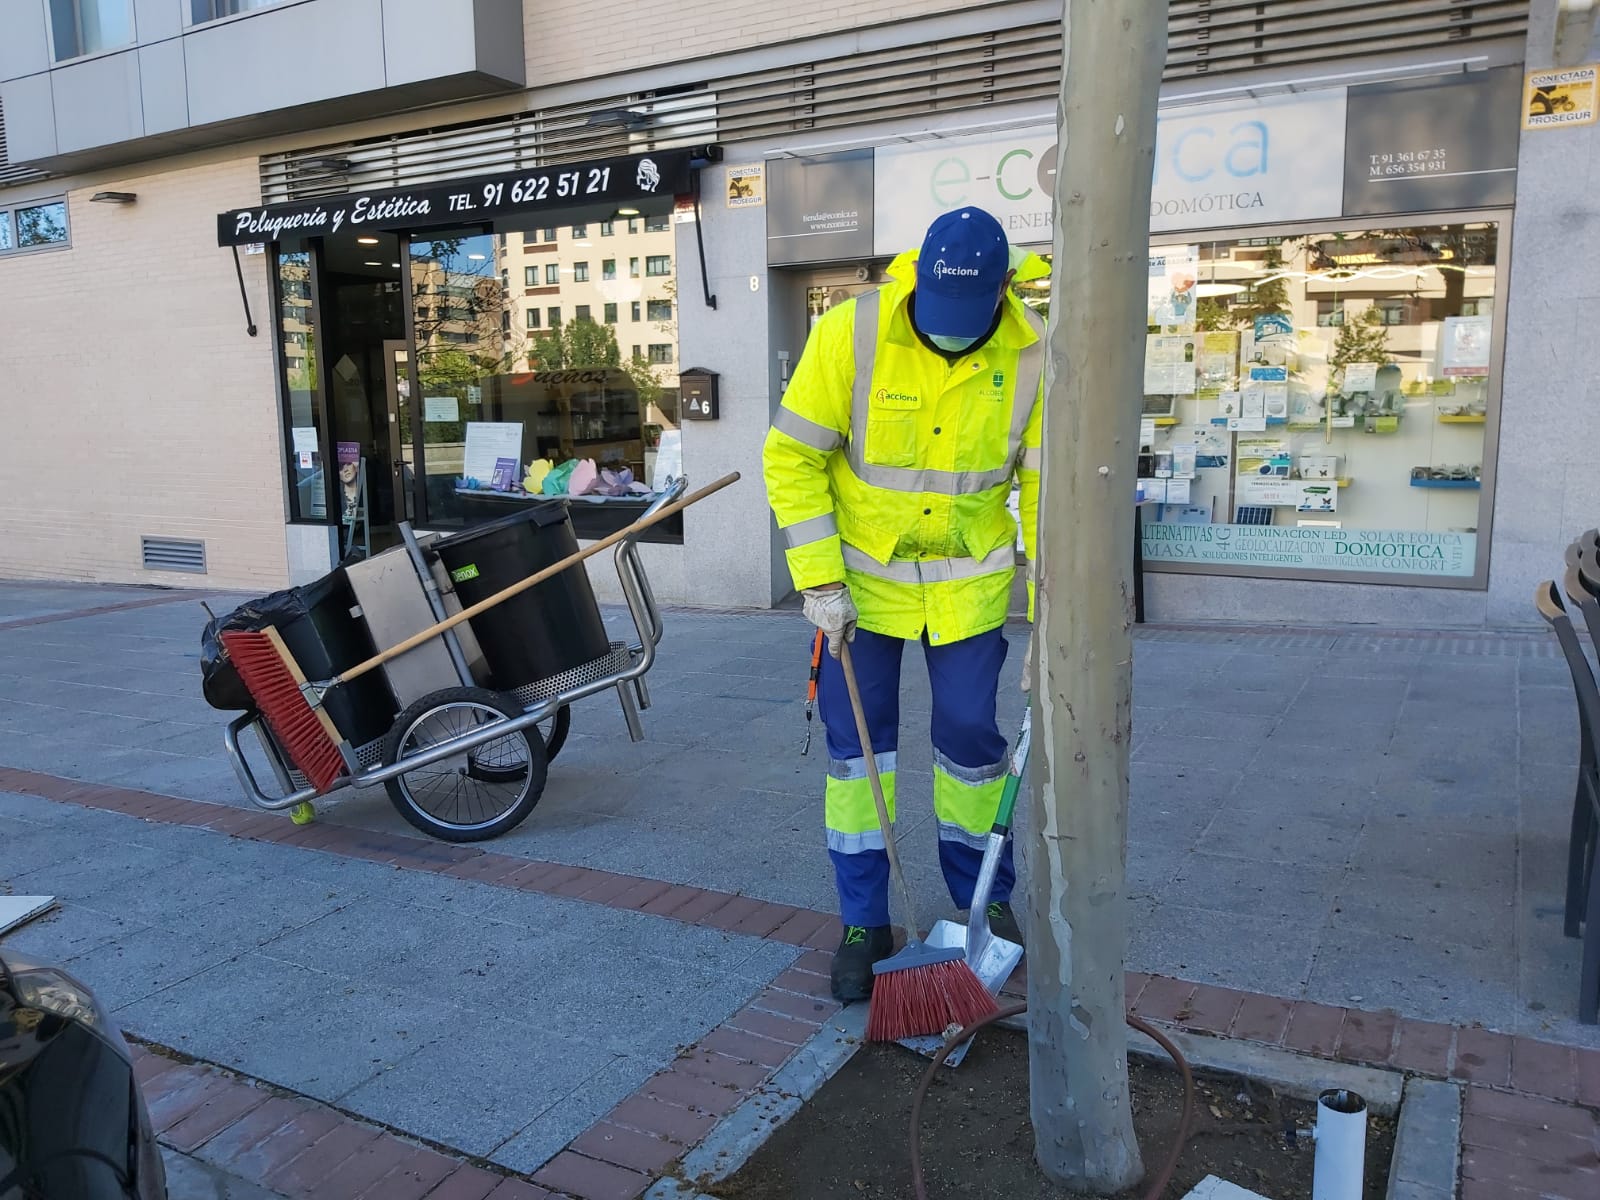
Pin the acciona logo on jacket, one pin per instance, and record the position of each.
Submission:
(942, 268)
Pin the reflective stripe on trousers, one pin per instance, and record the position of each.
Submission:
(969, 766)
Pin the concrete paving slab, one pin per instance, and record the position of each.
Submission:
(549, 1132)
(459, 1090)
(67, 930)
(1431, 980)
(143, 963)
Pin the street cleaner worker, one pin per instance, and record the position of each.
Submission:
(888, 467)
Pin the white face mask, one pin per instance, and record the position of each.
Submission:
(952, 345)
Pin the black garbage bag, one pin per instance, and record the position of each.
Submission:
(219, 682)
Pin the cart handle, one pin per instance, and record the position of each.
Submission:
(516, 589)
(675, 489)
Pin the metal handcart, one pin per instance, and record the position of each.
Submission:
(465, 763)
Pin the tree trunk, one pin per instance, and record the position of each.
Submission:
(1083, 1127)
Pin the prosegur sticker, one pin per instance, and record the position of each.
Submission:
(747, 186)
(1561, 97)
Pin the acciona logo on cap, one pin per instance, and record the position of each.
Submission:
(941, 269)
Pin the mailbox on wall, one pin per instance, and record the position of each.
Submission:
(698, 387)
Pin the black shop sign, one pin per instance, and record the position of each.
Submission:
(545, 189)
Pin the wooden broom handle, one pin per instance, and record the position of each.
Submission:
(870, 760)
(538, 577)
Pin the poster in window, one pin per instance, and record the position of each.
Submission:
(487, 443)
(1216, 362)
(1169, 365)
(1173, 273)
(1464, 348)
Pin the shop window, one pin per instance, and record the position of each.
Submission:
(579, 232)
(201, 11)
(303, 412)
(633, 311)
(660, 352)
(501, 399)
(608, 269)
(580, 272)
(658, 224)
(659, 310)
(35, 226)
(658, 264)
(607, 228)
(1322, 405)
(530, 276)
(633, 268)
(552, 274)
(82, 27)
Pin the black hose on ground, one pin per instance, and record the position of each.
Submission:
(919, 1190)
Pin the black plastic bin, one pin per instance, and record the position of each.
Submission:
(330, 639)
(546, 630)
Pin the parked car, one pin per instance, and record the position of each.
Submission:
(73, 1124)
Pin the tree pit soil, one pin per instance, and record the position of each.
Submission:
(851, 1140)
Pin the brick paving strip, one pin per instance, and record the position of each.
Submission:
(78, 613)
(1531, 1124)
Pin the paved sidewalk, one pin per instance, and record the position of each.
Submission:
(1331, 815)
(1339, 819)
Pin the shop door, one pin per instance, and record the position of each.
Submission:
(403, 452)
(363, 308)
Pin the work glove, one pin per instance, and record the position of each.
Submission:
(834, 612)
(1027, 662)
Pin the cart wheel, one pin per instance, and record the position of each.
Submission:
(475, 794)
(554, 731)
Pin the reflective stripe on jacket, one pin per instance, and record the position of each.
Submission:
(889, 466)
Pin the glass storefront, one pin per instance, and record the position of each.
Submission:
(472, 371)
(1321, 404)
(297, 332)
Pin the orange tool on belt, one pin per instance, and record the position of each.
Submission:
(811, 687)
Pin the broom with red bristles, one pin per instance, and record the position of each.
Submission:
(921, 990)
(292, 706)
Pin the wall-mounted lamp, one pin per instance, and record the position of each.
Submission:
(1575, 24)
(114, 197)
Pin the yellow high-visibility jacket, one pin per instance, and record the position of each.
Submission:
(889, 467)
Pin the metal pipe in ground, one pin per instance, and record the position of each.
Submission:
(1341, 1146)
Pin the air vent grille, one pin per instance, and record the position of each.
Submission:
(173, 554)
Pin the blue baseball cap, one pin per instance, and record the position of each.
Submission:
(963, 263)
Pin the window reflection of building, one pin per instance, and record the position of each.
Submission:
(492, 355)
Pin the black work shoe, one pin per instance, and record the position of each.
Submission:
(1003, 922)
(852, 961)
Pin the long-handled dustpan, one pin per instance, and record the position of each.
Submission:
(991, 958)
